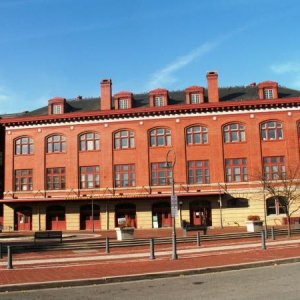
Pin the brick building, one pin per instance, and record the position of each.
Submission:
(92, 163)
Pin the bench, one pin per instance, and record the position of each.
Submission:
(188, 227)
(48, 235)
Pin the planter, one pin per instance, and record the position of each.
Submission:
(125, 233)
(254, 226)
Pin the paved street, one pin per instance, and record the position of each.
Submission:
(276, 282)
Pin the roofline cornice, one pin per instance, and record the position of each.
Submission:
(153, 111)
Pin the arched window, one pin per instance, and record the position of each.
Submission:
(196, 135)
(124, 139)
(24, 145)
(234, 132)
(160, 137)
(271, 131)
(56, 143)
(89, 141)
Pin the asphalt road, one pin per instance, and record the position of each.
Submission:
(277, 282)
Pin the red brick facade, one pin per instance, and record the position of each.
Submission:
(141, 136)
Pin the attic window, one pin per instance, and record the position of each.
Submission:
(268, 94)
(123, 103)
(158, 101)
(56, 109)
(195, 98)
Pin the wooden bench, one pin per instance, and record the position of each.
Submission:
(48, 235)
(188, 227)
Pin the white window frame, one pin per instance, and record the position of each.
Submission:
(268, 93)
(158, 101)
(56, 109)
(195, 98)
(123, 103)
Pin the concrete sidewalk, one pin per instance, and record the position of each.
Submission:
(72, 268)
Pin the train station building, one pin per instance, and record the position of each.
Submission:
(86, 163)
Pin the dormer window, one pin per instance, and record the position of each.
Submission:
(56, 106)
(268, 90)
(123, 100)
(195, 98)
(123, 103)
(194, 95)
(158, 101)
(268, 94)
(158, 98)
(56, 109)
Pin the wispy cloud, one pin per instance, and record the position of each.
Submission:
(290, 70)
(287, 67)
(166, 74)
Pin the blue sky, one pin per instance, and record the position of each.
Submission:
(65, 47)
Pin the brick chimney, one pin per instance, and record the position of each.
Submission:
(105, 94)
(212, 87)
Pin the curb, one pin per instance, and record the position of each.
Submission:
(147, 276)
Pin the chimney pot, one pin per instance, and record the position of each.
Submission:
(106, 94)
(212, 86)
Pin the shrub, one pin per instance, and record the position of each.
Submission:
(253, 218)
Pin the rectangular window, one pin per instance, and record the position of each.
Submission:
(195, 98)
(56, 109)
(123, 103)
(274, 207)
(89, 177)
(124, 175)
(198, 171)
(158, 101)
(160, 175)
(274, 167)
(268, 94)
(56, 179)
(23, 180)
(236, 170)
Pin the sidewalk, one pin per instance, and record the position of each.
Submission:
(68, 268)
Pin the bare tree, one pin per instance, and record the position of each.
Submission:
(284, 187)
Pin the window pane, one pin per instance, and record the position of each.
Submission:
(90, 145)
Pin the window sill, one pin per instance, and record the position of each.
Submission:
(50, 153)
(89, 151)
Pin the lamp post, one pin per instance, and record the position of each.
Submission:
(265, 211)
(170, 163)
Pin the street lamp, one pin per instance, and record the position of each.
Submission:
(265, 210)
(170, 163)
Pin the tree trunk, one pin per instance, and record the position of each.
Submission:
(289, 225)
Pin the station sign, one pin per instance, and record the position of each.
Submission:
(174, 206)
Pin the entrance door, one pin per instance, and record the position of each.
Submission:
(161, 215)
(56, 219)
(125, 213)
(86, 218)
(200, 213)
(23, 216)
